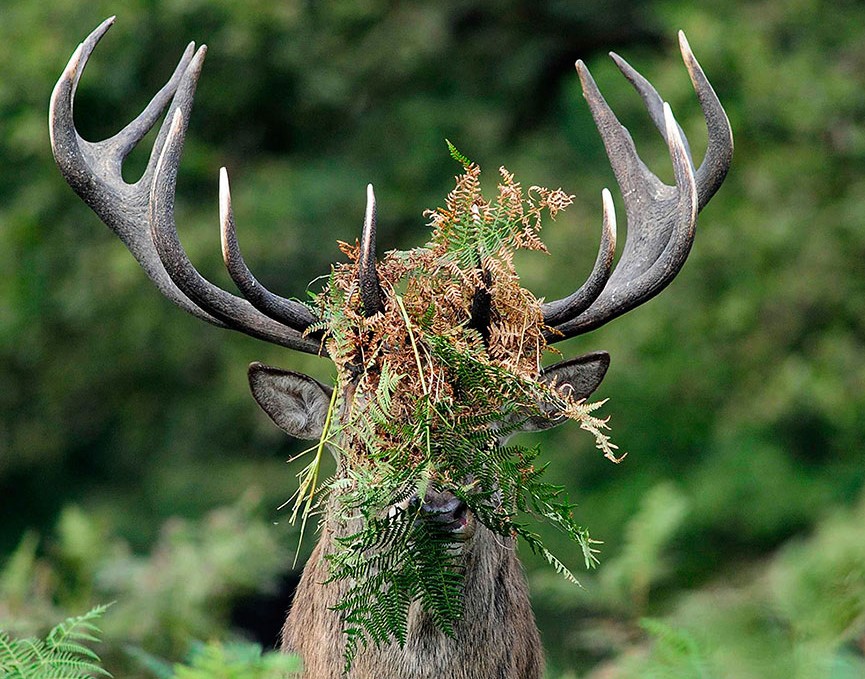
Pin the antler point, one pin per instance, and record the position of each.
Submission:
(224, 190)
(609, 223)
(685, 48)
(674, 134)
(198, 59)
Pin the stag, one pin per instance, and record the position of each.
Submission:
(496, 635)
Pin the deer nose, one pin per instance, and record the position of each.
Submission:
(440, 502)
(444, 508)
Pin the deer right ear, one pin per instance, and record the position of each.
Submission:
(578, 376)
(295, 402)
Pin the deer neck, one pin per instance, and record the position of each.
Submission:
(496, 636)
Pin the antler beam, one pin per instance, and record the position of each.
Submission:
(92, 169)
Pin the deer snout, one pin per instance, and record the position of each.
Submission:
(446, 509)
(440, 502)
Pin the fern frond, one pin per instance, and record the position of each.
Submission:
(456, 155)
(432, 400)
(62, 654)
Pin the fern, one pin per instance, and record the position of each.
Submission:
(393, 562)
(62, 654)
(456, 155)
(438, 398)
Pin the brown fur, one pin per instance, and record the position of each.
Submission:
(496, 638)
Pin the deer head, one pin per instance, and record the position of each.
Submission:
(496, 635)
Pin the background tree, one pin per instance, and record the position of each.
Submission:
(738, 393)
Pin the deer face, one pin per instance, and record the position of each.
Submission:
(298, 404)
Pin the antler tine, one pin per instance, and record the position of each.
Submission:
(107, 155)
(573, 305)
(653, 101)
(661, 218)
(93, 169)
(235, 312)
(719, 153)
(287, 311)
(370, 289)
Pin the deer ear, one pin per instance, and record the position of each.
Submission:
(577, 376)
(295, 402)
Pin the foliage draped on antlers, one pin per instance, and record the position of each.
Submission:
(660, 218)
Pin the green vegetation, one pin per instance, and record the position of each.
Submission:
(443, 397)
(62, 653)
(180, 592)
(734, 525)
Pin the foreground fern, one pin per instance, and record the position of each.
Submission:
(62, 654)
(442, 396)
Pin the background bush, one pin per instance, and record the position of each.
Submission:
(128, 441)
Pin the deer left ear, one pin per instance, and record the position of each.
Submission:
(295, 402)
(577, 376)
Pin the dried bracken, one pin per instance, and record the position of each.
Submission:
(444, 384)
(429, 292)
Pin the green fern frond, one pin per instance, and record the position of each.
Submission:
(61, 654)
(433, 399)
(456, 155)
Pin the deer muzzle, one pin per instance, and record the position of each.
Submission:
(446, 510)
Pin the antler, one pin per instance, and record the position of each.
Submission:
(661, 218)
(142, 213)
(93, 169)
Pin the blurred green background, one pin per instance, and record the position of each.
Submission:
(135, 467)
